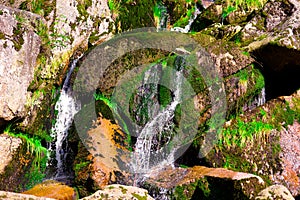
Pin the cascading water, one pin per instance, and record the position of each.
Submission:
(258, 100)
(187, 28)
(66, 107)
(148, 153)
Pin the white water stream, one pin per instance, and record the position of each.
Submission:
(66, 107)
(152, 132)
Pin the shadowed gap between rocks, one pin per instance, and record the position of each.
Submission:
(281, 69)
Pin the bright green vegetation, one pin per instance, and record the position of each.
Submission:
(251, 82)
(183, 21)
(227, 11)
(100, 97)
(241, 133)
(285, 115)
(244, 3)
(80, 166)
(40, 7)
(40, 155)
(114, 6)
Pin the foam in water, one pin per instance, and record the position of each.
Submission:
(67, 107)
(187, 28)
(259, 100)
(144, 156)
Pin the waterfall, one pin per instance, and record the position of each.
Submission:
(187, 28)
(258, 100)
(163, 19)
(159, 128)
(66, 107)
(261, 99)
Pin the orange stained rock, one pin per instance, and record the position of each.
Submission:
(53, 189)
(106, 150)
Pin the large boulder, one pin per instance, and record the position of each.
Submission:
(52, 189)
(20, 157)
(102, 165)
(275, 192)
(19, 47)
(264, 141)
(116, 191)
(9, 146)
(201, 182)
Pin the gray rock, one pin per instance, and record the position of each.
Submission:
(116, 192)
(278, 23)
(275, 192)
(19, 47)
(7, 148)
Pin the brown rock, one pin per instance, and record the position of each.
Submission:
(213, 183)
(52, 189)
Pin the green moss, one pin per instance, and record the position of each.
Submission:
(79, 166)
(137, 14)
(285, 115)
(123, 190)
(185, 192)
(38, 166)
(241, 132)
(247, 4)
(18, 37)
(139, 197)
(40, 7)
(2, 36)
(164, 96)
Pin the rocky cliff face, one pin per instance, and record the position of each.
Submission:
(255, 48)
(19, 46)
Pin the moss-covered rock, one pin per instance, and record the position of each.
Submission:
(115, 192)
(203, 183)
(257, 142)
(23, 157)
(20, 47)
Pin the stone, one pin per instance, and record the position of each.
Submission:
(4, 195)
(275, 192)
(76, 25)
(290, 159)
(116, 192)
(273, 151)
(203, 183)
(7, 150)
(19, 47)
(52, 189)
(277, 23)
(106, 156)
